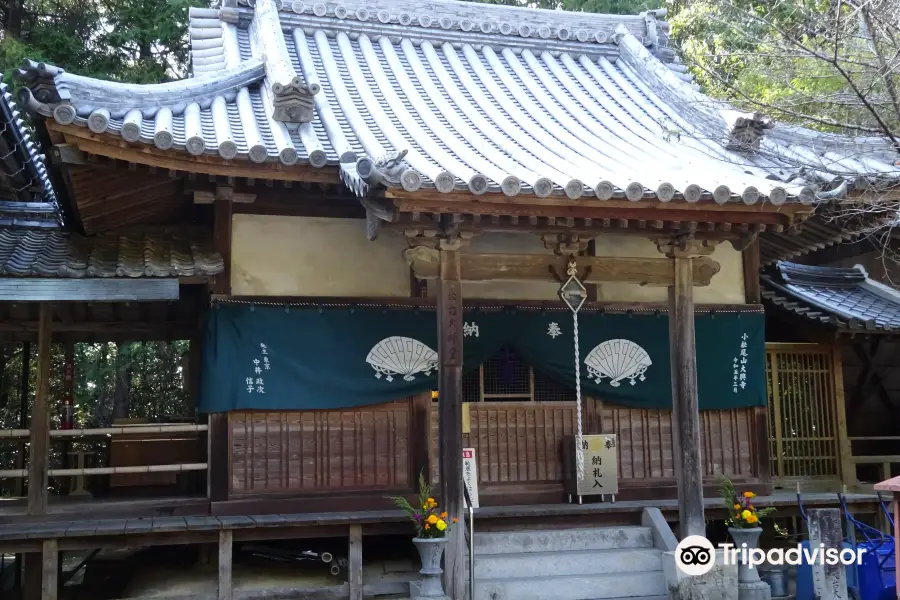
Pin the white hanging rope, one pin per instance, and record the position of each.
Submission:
(579, 454)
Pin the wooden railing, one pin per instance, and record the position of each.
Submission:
(12, 434)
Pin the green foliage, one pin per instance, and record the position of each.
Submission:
(617, 7)
(153, 389)
(821, 64)
(140, 41)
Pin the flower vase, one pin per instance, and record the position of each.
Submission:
(430, 552)
(746, 538)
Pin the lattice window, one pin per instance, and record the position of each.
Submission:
(505, 377)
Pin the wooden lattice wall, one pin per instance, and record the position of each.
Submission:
(806, 414)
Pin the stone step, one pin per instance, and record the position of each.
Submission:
(573, 587)
(556, 540)
(579, 562)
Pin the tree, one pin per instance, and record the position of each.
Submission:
(140, 41)
(830, 66)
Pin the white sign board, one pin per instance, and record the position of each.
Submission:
(470, 474)
(601, 473)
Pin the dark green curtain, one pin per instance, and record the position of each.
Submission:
(263, 357)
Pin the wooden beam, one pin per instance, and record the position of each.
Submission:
(750, 258)
(40, 419)
(686, 409)
(222, 243)
(226, 585)
(355, 563)
(50, 570)
(450, 353)
(528, 267)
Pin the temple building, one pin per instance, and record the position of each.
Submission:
(398, 232)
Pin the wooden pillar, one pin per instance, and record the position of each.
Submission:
(848, 467)
(685, 404)
(40, 420)
(222, 242)
(50, 570)
(217, 457)
(750, 257)
(450, 353)
(226, 587)
(355, 564)
(217, 435)
(420, 422)
(24, 393)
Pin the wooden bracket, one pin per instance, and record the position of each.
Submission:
(69, 154)
(565, 244)
(223, 192)
(685, 246)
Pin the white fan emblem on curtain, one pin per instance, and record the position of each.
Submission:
(404, 356)
(617, 360)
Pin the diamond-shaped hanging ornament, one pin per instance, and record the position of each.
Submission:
(572, 292)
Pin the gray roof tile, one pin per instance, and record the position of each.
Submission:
(27, 198)
(141, 254)
(480, 97)
(844, 297)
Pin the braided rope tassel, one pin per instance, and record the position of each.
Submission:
(579, 453)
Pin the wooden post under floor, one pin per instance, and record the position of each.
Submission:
(686, 408)
(355, 564)
(50, 570)
(226, 586)
(450, 353)
(40, 420)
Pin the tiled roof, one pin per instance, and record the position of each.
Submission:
(151, 254)
(844, 297)
(460, 96)
(27, 198)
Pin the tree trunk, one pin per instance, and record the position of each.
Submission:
(123, 382)
(14, 18)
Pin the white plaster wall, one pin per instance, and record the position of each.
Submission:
(313, 256)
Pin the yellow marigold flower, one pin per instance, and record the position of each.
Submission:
(753, 519)
(441, 525)
(444, 515)
(749, 495)
(433, 519)
(737, 507)
(455, 519)
(746, 515)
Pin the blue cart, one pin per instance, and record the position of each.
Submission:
(871, 580)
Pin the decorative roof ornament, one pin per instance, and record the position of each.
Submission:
(390, 170)
(293, 94)
(747, 131)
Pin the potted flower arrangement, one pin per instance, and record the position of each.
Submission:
(432, 528)
(743, 523)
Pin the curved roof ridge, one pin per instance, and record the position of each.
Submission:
(53, 92)
(498, 19)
